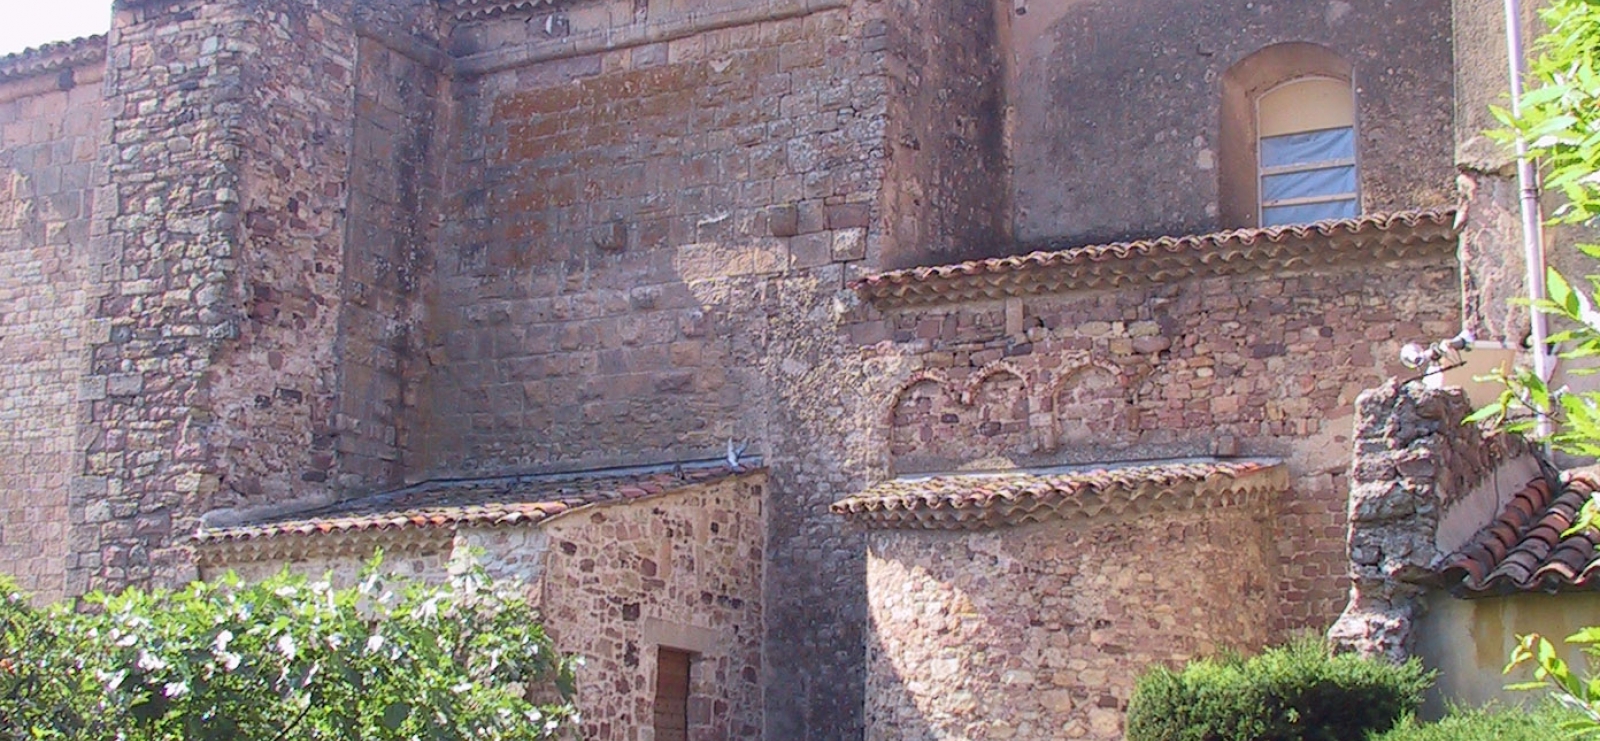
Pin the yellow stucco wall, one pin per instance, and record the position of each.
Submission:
(1469, 641)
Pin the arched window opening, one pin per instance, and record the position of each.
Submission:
(1287, 139)
(1306, 152)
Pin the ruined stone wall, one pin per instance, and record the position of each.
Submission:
(1422, 486)
(948, 180)
(49, 123)
(682, 571)
(1039, 631)
(1116, 107)
(1258, 365)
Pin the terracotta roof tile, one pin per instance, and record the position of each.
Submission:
(973, 501)
(51, 57)
(1383, 236)
(500, 501)
(1524, 549)
(464, 10)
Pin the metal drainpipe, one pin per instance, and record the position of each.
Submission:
(1532, 219)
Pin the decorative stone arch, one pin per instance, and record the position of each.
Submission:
(970, 389)
(1242, 85)
(891, 402)
(1117, 387)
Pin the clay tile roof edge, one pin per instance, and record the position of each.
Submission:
(971, 501)
(1395, 235)
(295, 535)
(466, 10)
(1539, 558)
(51, 57)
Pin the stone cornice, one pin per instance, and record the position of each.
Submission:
(1375, 237)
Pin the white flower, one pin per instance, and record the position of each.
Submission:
(374, 643)
(175, 689)
(151, 662)
(223, 639)
(286, 646)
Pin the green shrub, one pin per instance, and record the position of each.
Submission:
(1293, 693)
(286, 658)
(1500, 724)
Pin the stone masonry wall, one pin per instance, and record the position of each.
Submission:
(614, 584)
(221, 313)
(614, 219)
(683, 571)
(1116, 107)
(946, 198)
(164, 246)
(1257, 365)
(645, 255)
(1038, 632)
(47, 154)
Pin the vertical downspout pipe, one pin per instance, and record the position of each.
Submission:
(1532, 218)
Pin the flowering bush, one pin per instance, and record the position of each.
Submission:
(285, 658)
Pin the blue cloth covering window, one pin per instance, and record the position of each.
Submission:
(1308, 176)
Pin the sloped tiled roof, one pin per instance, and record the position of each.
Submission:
(1524, 550)
(443, 506)
(975, 501)
(465, 10)
(51, 57)
(1372, 236)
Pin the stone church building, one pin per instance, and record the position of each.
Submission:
(831, 369)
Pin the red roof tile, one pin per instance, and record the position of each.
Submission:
(1382, 236)
(465, 10)
(1524, 549)
(974, 501)
(500, 501)
(51, 57)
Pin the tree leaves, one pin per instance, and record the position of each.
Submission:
(286, 658)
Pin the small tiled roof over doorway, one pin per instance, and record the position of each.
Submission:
(971, 501)
(1526, 548)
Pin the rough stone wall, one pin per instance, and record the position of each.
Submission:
(1116, 106)
(48, 146)
(1038, 632)
(683, 571)
(614, 218)
(1259, 365)
(645, 255)
(164, 250)
(945, 198)
(1414, 461)
(336, 196)
(222, 316)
